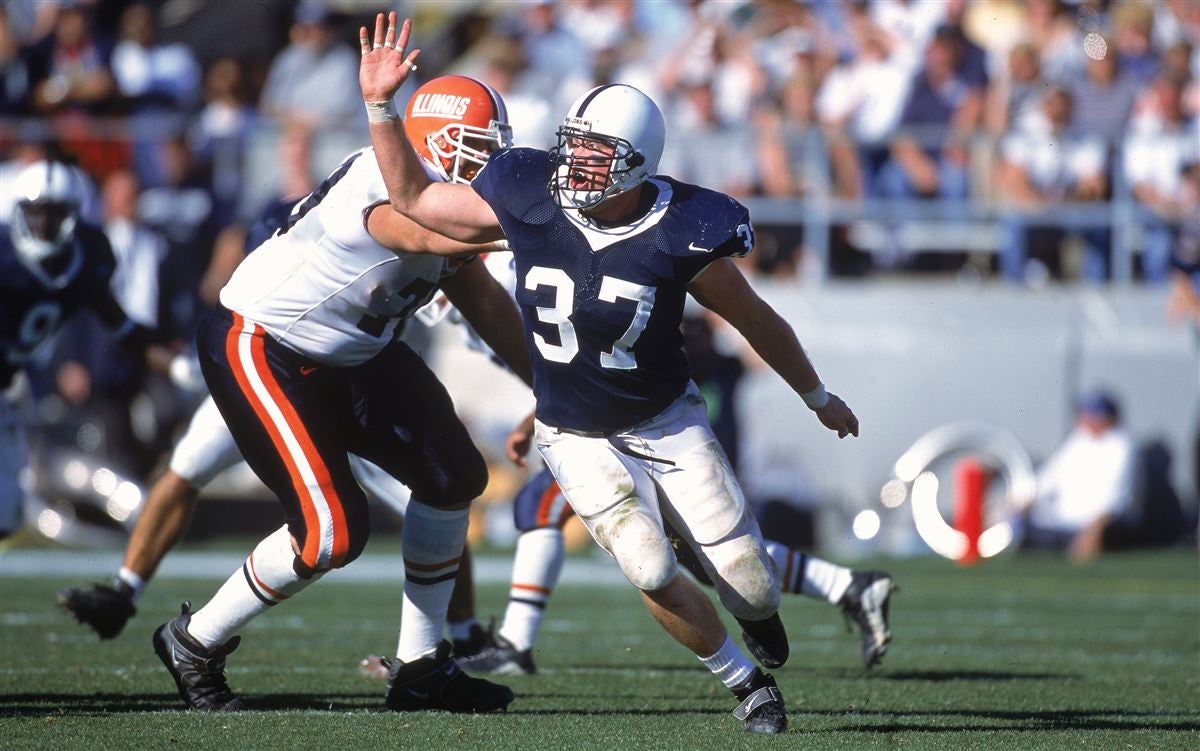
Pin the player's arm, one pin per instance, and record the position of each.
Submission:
(399, 233)
(450, 209)
(721, 288)
(489, 310)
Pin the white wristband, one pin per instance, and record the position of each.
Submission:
(816, 398)
(381, 112)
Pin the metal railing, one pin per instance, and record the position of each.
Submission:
(241, 172)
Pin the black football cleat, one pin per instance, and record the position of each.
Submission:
(104, 607)
(761, 710)
(199, 673)
(866, 603)
(767, 641)
(437, 682)
(499, 657)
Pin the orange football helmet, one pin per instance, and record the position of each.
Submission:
(455, 123)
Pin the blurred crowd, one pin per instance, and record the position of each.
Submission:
(1021, 106)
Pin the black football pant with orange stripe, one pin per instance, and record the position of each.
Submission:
(295, 420)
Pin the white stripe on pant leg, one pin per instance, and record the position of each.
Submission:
(324, 517)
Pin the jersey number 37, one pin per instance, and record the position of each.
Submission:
(620, 356)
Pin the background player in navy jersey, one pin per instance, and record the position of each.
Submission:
(52, 264)
(605, 256)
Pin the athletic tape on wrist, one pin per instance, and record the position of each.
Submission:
(816, 398)
(381, 112)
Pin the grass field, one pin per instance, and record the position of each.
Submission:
(1021, 653)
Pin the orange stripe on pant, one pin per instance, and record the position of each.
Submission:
(546, 503)
(312, 542)
(341, 534)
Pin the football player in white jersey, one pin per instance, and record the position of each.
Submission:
(205, 450)
(606, 252)
(301, 361)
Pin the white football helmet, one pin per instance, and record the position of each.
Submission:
(610, 141)
(48, 196)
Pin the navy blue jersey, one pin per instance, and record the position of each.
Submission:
(602, 307)
(273, 216)
(30, 312)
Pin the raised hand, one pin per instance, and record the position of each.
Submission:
(384, 67)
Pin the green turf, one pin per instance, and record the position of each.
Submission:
(1023, 653)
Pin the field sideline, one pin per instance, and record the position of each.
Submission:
(1020, 653)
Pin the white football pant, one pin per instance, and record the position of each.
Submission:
(621, 486)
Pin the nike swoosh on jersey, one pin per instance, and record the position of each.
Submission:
(697, 249)
(306, 370)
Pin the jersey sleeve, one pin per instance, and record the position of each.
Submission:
(514, 183)
(489, 182)
(725, 232)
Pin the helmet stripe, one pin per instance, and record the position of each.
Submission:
(588, 99)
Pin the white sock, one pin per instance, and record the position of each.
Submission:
(789, 563)
(537, 565)
(433, 545)
(802, 574)
(729, 664)
(265, 579)
(461, 630)
(824, 580)
(135, 582)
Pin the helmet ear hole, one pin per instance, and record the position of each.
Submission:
(635, 160)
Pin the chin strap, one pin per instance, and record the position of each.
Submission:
(764, 695)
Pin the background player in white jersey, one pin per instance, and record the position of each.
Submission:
(605, 257)
(300, 360)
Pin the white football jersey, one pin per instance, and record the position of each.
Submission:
(322, 285)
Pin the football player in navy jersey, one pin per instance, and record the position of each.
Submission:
(606, 253)
(52, 264)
